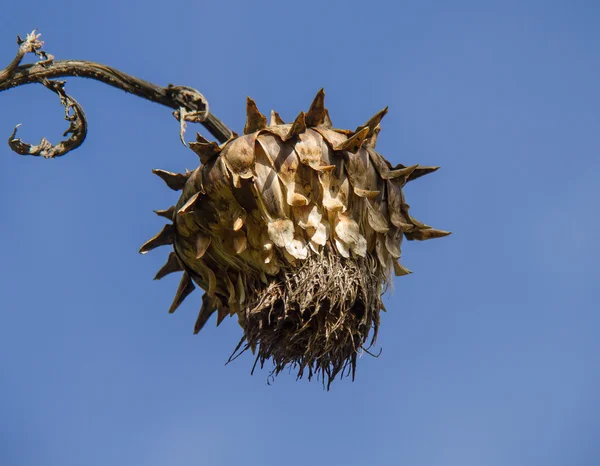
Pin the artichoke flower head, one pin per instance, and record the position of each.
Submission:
(295, 229)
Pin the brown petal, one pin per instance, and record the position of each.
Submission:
(266, 183)
(309, 149)
(281, 232)
(239, 157)
(395, 206)
(332, 137)
(376, 220)
(393, 239)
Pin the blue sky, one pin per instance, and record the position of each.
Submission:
(490, 349)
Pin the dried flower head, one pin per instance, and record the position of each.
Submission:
(296, 229)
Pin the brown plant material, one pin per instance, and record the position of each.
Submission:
(189, 104)
(295, 229)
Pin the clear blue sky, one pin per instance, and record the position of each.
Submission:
(491, 355)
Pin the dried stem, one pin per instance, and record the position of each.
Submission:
(189, 104)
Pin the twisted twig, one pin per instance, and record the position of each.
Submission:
(189, 104)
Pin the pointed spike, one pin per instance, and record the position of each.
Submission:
(205, 150)
(255, 121)
(275, 119)
(185, 288)
(298, 127)
(166, 236)
(327, 120)
(222, 312)
(316, 113)
(399, 269)
(400, 172)
(202, 139)
(355, 142)
(425, 234)
(166, 213)
(202, 244)
(421, 171)
(175, 181)
(207, 309)
(373, 121)
(173, 264)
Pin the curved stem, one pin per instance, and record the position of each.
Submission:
(190, 105)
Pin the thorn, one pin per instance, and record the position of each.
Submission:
(255, 121)
(399, 172)
(422, 234)
(172, 265)
(183, 290)
(205, 150)
(175, 181)
(354, 143)
(399, 269)
(276, 119)
(166, 213)
(206, 310)
(373, 122)
(298, 127)
(222, 312)
(166, 236)
(316, 113)
(202, 139)
(421, 171)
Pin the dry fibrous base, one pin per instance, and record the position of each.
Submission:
(316, 318)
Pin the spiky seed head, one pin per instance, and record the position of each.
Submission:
(296, 229)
